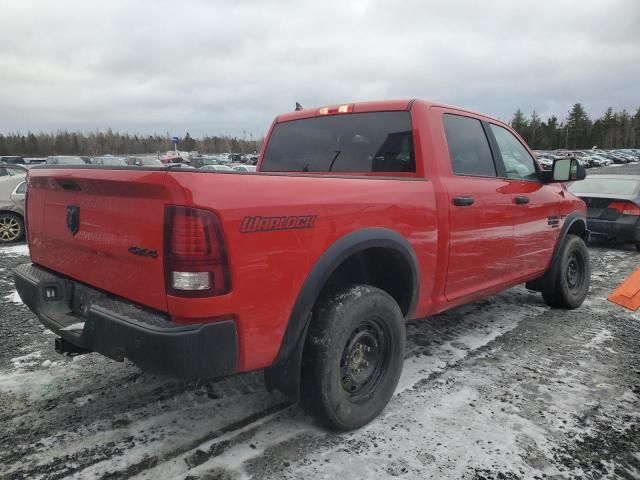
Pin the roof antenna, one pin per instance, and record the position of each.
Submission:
(298, 107)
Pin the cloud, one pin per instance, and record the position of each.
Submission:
(228, 67)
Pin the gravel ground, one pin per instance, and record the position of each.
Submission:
(506, 388)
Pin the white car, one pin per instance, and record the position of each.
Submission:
(218, 168)
(245, 168)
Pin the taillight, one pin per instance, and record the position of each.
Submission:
(195, 257)
(348, 108)
(625, 208)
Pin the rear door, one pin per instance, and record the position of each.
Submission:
(535, 205)
(480, 210)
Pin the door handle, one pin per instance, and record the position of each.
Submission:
(521, 200)
(463, 201)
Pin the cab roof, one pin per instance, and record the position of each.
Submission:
(371, 106)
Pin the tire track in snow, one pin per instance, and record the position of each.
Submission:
(433, 346)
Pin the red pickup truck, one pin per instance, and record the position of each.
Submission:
(361, 217)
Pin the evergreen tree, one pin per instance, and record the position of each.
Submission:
(534, 128)
(32, 145)
(578, 128)
(519, 122)
(188, 144)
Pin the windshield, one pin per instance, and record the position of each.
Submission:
(595, 184)
(358, 142)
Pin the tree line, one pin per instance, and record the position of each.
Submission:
(96, 143)
(579, 131)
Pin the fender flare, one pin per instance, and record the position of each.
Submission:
(569, 221)
(284, 373)
(539, 283)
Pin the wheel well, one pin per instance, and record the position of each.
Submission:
(578, 228)
(383, 268)
(21, 217)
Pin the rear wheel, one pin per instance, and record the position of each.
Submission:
(11, 227)
(568, 284)
(353, 357)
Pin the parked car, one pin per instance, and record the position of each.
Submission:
(613, 206)
(179, 166)
(34, 160)
(66, 160)
(110, 160)
(198, 161)
(148, 161)
(12, 195)
(245, 168)
(12, 169)
(311, 270)
(12, 159)
(218, 168)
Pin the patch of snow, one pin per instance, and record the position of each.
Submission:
(600, 337)
(81, 401)
(14, 297)
(75, 326)
(25, 361)
(19, 250)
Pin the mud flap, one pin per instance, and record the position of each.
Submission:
(285, 377)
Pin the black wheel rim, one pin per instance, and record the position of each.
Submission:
(364, 359)
(575, 272)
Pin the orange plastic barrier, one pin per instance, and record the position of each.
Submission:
(628, 292)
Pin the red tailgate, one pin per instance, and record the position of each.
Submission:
(119, 215)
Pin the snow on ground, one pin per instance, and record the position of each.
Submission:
(13, 297)
(17, 250)
(504, 388)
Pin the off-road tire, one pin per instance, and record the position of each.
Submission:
(353, 357)
(567, 284)
(11, 228)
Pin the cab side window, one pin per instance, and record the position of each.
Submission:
(517, 161)
(468, 146)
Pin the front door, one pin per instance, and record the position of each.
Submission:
(536, 206)
(480, 211)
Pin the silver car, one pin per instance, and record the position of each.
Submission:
(12, 193)
(12, 169)
(218, 168)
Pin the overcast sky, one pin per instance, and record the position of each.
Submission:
(227, 67)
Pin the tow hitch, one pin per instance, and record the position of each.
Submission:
(62, 346)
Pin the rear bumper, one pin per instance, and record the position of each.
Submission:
(625, 228)
(118, 329)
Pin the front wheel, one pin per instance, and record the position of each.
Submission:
(568, 284)
(353, 357)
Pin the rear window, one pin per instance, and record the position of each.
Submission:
(358, 142)
(595, 184)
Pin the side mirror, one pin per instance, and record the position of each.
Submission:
(566, 170)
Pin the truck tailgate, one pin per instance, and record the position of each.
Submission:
(101, 227)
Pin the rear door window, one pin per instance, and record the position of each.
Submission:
(468, 146)
(356, 142)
